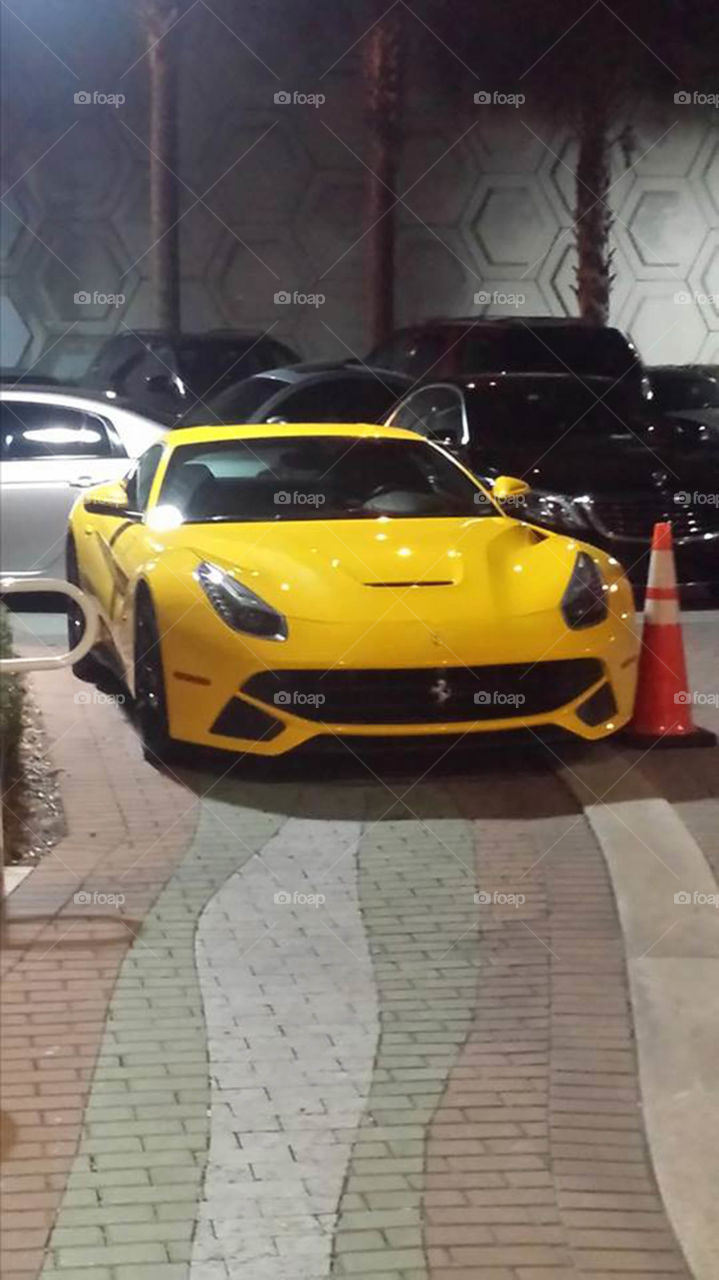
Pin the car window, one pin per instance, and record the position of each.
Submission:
(437, 412)
(139, 481)
(318, 478)
(679, 392)
(114, 360)
(203, 365)
(29, 430)
(340, 399)
(414, 352)
(233, 406)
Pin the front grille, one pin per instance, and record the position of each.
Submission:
(635, 517)
(426, 696)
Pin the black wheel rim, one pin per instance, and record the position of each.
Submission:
(75, 616)
(149, 687)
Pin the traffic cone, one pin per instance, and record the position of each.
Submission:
(663, 704)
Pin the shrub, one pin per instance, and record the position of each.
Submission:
(11, 704)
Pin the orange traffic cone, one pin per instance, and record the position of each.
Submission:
(662, 709)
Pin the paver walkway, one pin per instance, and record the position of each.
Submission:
(336, 1029)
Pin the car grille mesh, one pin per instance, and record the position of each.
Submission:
(426, 696)
(635, 518)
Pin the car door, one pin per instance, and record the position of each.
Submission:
(126, 552)
(49, 453)
(437, 412)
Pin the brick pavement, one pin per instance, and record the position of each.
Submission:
(399, 1083)
(61, 958)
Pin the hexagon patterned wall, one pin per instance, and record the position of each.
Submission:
(272, 196)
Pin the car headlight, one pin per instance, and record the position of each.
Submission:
(584, 602)
(552, 509)
(239, 607)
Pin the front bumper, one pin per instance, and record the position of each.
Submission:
(584, 686)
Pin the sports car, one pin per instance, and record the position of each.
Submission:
(261, 586)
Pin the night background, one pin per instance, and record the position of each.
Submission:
(275, 196)
(359, 640)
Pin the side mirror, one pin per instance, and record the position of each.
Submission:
(119, 510)
(111, 501)
(508, 488)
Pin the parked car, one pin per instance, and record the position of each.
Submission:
(54, 444)
(275, 586)
(591, 472)
(307, 393)
(161, 374)
(689, 394)
(448, 348)
(17, 377)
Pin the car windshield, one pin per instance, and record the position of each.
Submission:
(235, 404)
(316, 478)
(682, 392)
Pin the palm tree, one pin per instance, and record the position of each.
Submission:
(159, 19)
(382, 65)
(584, 68)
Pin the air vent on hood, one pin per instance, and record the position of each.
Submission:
(439, 582)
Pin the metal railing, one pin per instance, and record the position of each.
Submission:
(16, 586)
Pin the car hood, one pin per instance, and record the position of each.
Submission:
(367, 570)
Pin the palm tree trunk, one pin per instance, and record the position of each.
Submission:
(592, 215)
(383, 74)
(159, 16)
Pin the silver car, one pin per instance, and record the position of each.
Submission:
(53, 444)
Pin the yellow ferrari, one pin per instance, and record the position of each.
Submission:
(261, 586)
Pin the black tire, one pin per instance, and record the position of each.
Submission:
(150, 696)
(88, 668)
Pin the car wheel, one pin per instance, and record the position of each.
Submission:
(150, 697)
(88, 668)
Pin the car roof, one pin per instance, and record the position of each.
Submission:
(507, 322)
(53, 390)
(501, 377)
(75, 398)
(685, 370)
(258, 431)
(324, 372)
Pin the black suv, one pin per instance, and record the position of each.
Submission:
(164, 375)
(591, 471)
(453, 348)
